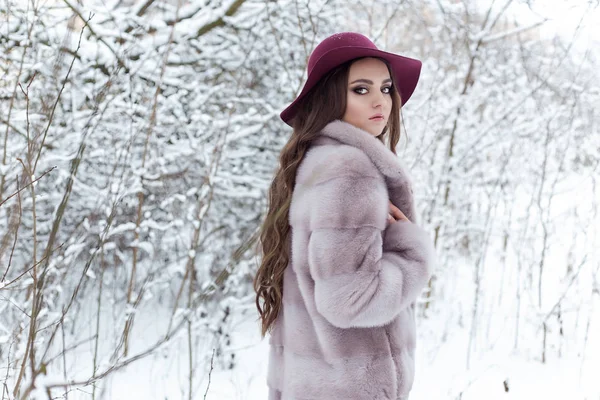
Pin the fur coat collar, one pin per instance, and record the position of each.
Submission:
(388, 164)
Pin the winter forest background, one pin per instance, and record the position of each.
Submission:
(138, 140)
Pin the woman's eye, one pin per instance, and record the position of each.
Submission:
(363, 90)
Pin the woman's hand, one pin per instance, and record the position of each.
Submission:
(395, 214)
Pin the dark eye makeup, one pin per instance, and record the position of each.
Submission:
(359, 88)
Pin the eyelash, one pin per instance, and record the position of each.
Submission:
(355, 90)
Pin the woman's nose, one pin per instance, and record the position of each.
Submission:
(378, 101)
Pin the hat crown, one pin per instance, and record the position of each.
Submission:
(335, 41)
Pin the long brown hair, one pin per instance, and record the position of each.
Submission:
(324, 103)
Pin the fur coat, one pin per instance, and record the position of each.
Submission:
(346, 329)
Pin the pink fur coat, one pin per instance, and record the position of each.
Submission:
(347, 325)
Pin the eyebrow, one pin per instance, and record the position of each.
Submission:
(367, 81)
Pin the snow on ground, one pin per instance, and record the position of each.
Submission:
(445, 377)
(441, 368)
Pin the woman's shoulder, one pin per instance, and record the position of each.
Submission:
(329, 161)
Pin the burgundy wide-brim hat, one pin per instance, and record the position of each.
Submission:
(345, 46)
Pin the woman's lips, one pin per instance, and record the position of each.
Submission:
(377, 119)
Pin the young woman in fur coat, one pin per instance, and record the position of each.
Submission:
(343, 257)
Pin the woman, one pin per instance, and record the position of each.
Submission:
(343, 260)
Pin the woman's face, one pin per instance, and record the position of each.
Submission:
(369, 99)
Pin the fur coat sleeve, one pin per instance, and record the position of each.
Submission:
(364, 273)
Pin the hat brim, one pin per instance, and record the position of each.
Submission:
(406, 72)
